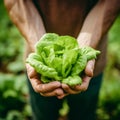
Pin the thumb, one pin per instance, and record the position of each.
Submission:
(90, 68)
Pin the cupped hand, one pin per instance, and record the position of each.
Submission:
(85, 80)
(49, 89)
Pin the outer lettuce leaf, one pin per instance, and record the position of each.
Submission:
(67, 42)
(48, 57)
(80, 65)
(45, 41)
(90, 53)
(69, 59)
(41, 68)
(57, 65)
(72, 80)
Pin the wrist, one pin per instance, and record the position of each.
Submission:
(84, 39)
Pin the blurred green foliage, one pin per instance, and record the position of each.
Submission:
(11, 44)
(109, 100)
(14, 100)
(14, 94)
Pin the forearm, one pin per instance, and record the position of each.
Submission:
(98, 22)
(26, 17)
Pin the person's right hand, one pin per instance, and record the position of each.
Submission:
(49, 89)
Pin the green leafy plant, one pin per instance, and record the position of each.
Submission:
(60, 58)
(109, 100)
(11, 43)
(13, 92)
(14, 103)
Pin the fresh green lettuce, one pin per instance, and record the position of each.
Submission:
(59, 58)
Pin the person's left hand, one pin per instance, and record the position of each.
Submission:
(85, 80)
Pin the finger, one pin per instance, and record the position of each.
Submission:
(90, 68)
(56, 92)
(44, 88)
(62, 96)
(31, 72)
(69, 90)
(33, 77)
(84, 85)
(48, 87)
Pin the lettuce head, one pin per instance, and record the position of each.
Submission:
(59, 58)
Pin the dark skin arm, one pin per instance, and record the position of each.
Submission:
(27, 19)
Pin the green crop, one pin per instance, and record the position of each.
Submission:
(59, 58)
